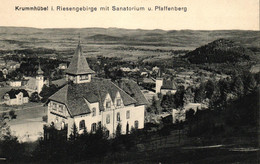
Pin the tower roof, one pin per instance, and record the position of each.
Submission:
(78, 64)
(39, 71)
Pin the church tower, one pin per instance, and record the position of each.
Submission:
(158, 82)
(79, 70)
(39, 79)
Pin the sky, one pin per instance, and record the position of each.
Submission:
(200, 14)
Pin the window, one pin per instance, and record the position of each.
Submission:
(127, 128)
(84, 77)
(118, 102)
(108, 119)
(93, 127)
(54, 106)
(136, 124)
(118, 116)
(94, 112)
(107, 133)
(108, 104)
(128, 114)
(82, 124)
(61, 108)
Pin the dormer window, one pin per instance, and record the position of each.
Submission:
(108, 104)
(61, 108)
(118, 102)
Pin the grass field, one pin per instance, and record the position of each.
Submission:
(28, 125)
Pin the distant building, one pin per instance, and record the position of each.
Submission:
(17, 83)
(90, 102)
(5, 71)
(156, 69)
(125, 69)
(164, 86)
(16, 97)
(63, 66)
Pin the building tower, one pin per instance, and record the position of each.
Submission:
(39, 79)
(79, 70)
(158, 82)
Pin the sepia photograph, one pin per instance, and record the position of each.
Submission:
(137, 81)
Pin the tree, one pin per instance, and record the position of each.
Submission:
(189, 117)
(188, 96)
(35, 97)
(238, 87)
(154, 107)
(209, 88)
(118, 130)
(48, 91)
(200, 93)
(179, 97)
(249, 83)
(9, 143)
(74, 132)
(1, 76)
(168, 101)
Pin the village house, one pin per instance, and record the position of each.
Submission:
(62, 66)
(88, 102)
(16, 97)
(165, 86)
(15, 83)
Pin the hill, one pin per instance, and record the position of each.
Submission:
(129, 44)
(221, 51)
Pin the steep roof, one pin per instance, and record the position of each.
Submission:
(31, 84)
(169, 84)
(74, 95)
(79, 64)
(132, 89)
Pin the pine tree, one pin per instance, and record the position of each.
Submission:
(249, 83)
(238, 87)
(74, 132)
(188, 96)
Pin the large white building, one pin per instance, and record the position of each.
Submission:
(89, 102)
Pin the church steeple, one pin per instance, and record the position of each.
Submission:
(39, 79)
(79, 70)
(39, 71)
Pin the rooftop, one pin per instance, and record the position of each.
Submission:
(74, 95)
(79, 64)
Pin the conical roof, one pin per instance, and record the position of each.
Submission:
(78, 64)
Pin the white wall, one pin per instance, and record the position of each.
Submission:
(159, 83)
(136, 114)
(165, 91)
(15, 83)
